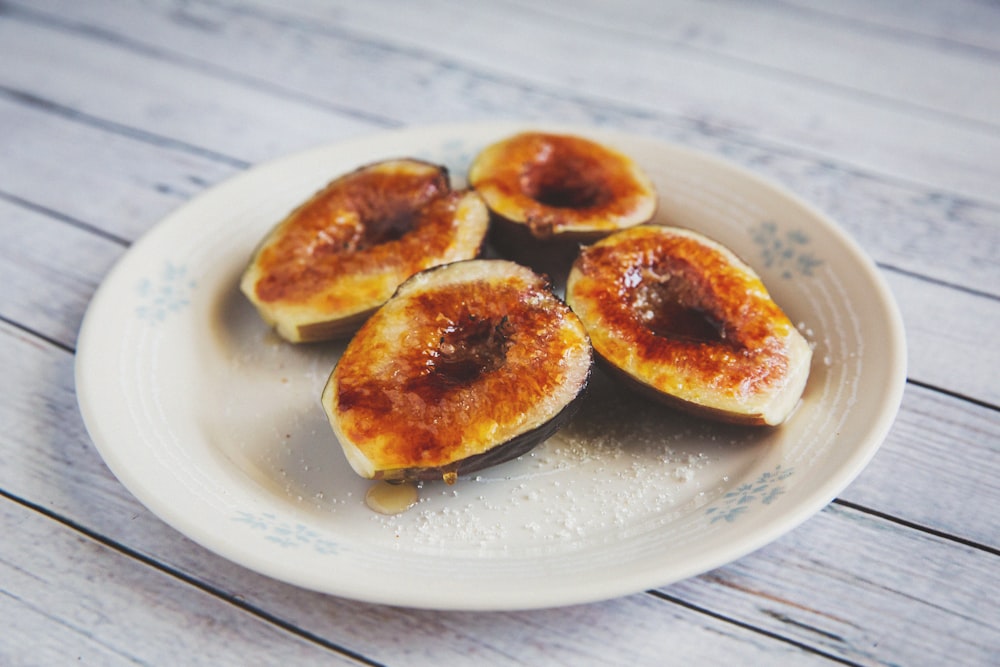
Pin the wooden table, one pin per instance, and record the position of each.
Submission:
(885, 115)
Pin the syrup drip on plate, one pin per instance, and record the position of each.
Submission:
(386, 498)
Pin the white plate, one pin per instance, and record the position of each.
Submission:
(216, 426)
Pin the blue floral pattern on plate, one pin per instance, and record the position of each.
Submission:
(787, 252)
(765, 489)
(285, 533)
(168, 292)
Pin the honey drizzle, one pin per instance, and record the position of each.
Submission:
(391, 498)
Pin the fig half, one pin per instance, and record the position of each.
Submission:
(336, 258)
(548, 193)
(681, 318)
(468, 365)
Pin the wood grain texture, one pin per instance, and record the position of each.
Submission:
(50, 269)
(925, 472)
(70, 599)
(655, 76)
(885, 69)
(99, 80)
(864, 589)
(97, 173)
(884, 114)
(408, 53)
(940, 355)
(963, 24)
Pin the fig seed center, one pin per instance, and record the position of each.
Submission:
(671, 306)
(470, 348)
(570, 183)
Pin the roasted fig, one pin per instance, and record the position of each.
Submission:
(548, 193)
(685, 321)
(327, 266)
(468, 365)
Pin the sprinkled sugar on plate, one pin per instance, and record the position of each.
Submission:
(215, 424)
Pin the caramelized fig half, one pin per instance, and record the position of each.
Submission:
(685, 321)
(336, 258)
(468, 365)
(548, 193)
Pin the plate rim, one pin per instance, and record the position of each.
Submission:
(790, 518)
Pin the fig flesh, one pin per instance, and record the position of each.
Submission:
(333, 260)
(682, 319)
(548, 193)
(468, 365)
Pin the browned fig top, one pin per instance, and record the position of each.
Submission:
(668, 299)
(463, 358)
(553, 182)
(392, 214)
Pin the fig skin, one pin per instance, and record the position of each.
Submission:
(323, 270)
(549, 193)
(468, 365)
(680, 318)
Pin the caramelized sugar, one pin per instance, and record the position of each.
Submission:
(675, 304)
(571, 176)
(476, 358)
(554, 178)
(359, 223)
(674, 301)
(467, 349)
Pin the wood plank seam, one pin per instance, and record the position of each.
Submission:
(995, 551)
(55, 22)
(188, 579)
(902, 34)
(36, 334)
(954, 394)
(58, 216)
(158, 140)
(768, 633)
(812, 81)
(41, 18)
(937, 281)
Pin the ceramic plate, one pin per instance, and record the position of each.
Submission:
(215, 424)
